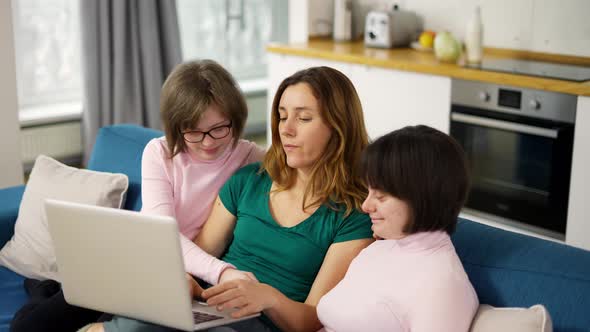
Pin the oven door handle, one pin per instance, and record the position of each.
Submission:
(504, 125)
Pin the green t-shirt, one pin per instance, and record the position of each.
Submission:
(287, 258)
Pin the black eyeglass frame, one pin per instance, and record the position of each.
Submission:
(205, 133)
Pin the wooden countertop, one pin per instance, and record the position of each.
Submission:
(408, 59)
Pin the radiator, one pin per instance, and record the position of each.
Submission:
(62, 141)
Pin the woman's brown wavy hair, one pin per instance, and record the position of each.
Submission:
(334, 177)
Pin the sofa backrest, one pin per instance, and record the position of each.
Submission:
(514, 270)
(118, 149)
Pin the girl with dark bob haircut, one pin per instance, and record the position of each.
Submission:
(411, 278)
(425, 168)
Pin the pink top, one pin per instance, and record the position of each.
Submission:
(415, 284)
(185, 187)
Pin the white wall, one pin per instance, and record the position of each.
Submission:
(548, 26)
(11, 169)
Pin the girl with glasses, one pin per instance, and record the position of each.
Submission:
(204, 113)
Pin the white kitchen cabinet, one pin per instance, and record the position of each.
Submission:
(578, 218)
(391, 99)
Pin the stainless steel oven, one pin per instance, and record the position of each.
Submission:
(519, 146)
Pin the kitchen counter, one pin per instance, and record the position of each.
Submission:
(408, 59)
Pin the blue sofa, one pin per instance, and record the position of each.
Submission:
(506, 269)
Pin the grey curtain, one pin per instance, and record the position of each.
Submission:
(129, 47)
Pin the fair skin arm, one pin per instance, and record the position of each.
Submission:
(216, 236)
(217, 231)
(289, 315)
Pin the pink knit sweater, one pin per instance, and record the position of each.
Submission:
(185, 188)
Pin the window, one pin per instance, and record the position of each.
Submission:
(232, 32)
(47, 47)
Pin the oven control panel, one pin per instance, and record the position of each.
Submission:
(514, 100)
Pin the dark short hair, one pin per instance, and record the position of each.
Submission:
(426, 169)
(187, 93)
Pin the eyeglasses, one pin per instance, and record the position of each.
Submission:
(195, 136)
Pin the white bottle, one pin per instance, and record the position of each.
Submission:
(474, 38)
(342, 30)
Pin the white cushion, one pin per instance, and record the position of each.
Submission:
(30, 251)
(491, 319)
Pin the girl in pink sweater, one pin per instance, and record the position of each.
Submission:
(203, 113)
(411, 278)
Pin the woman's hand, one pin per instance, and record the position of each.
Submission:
(233, 274)
(193, 286)
(248, 296)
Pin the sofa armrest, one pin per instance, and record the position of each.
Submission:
(9, 203)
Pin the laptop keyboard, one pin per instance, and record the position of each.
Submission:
(201, 317)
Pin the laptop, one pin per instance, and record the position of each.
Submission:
(126, 263)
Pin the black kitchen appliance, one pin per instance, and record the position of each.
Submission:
(519, 146)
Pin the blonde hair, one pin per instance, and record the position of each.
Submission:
(334, 177)
(187, 93)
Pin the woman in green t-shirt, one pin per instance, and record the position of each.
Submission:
(294, 220)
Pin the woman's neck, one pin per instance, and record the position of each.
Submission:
(297, 190)
(300, 183)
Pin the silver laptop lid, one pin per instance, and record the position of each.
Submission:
(121, 262)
